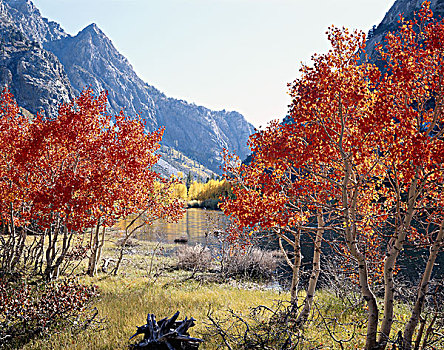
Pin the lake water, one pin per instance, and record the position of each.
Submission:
(199, 225)
(196, 226)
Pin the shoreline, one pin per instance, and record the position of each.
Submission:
(207, 204)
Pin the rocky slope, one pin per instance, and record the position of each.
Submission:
(28, 20)
(35, 76)
(390, 21)
(90, 59)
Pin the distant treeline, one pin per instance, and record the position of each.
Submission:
(199, 193)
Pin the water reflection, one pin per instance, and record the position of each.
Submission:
(196, 226)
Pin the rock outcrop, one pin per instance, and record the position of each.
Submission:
(28, 20)
(34, 75)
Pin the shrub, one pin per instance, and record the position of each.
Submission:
(196, 258)
(259, 327)
(29, 310)
(253, 263)
(250, 263)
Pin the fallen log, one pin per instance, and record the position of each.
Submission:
(167, 334)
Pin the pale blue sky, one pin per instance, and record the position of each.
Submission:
(222, 54)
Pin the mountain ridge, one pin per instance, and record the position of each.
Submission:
(89, 59)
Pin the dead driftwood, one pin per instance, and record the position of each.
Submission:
(167, 334)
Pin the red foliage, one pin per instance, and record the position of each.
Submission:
(71, 172)
(356, 138)
(79, 166)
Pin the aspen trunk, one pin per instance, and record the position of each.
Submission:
(21, 239)
(302, 318)
(97, 254)
(92, 263)
(56, 253)
(296, 270)
(38, 264)
(395, 247)
(99, 250)
(369, 297)
(66, 243)
(423, 322)
(51, 249)
(10, 247)
(295, 265)
(422, 290)
(349, 203)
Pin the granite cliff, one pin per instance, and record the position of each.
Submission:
(35, 76)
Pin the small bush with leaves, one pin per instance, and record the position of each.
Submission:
(29, 310)
(196, 258)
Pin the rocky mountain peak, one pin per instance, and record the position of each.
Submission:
(91, 60)
(35, 76)
(29, 20)
(25, 7)
(92, 39)
(93, 30)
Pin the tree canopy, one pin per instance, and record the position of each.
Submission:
(362, 149)
(81, 168)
